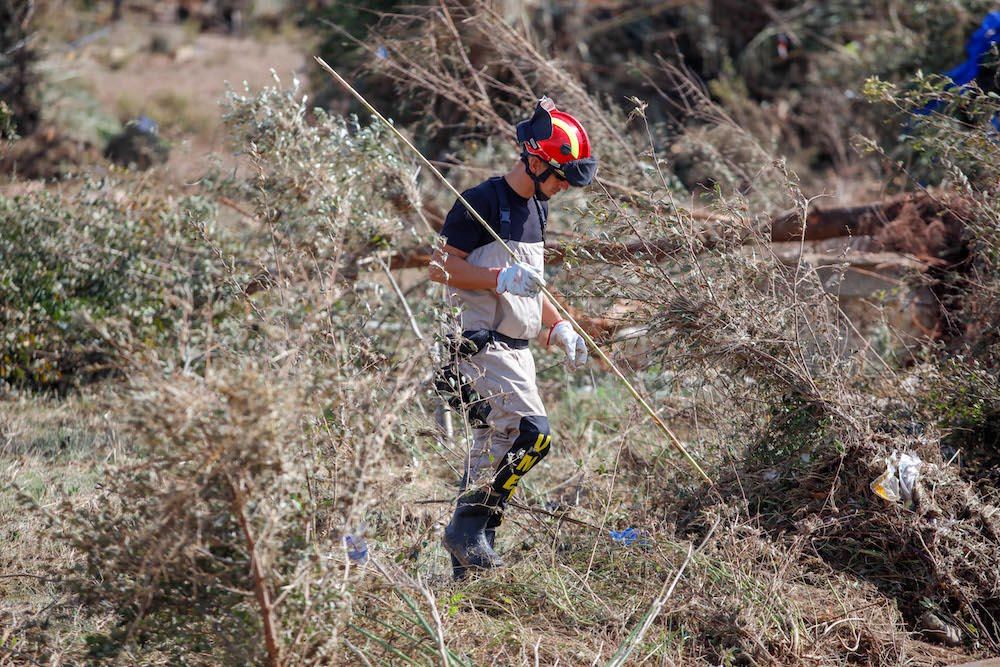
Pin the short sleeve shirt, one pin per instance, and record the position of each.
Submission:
(464, 232)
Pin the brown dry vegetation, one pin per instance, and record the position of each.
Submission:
(210, 382)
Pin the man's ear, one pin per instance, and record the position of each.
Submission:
(537, 165)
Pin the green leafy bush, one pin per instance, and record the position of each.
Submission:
(83, 273)
(321, 184)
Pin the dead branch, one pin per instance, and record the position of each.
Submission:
(259, 580)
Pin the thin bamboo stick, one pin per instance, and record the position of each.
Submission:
(562, 310)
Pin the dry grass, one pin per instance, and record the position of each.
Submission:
(54, 451)
(205, 497)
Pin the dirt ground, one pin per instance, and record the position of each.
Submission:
(177, 76)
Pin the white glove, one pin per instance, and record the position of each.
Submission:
(520, 280)
(563, 335)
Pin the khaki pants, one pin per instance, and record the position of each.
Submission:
(506, 378)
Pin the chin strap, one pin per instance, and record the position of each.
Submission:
(538, 180)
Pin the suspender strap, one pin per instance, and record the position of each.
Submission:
(501, 190)
(502, 199)
(542, 219)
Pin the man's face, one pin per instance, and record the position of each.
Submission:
(552, 185)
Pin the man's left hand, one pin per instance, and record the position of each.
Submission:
(563, 335)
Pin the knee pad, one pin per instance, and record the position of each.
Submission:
(530, 447)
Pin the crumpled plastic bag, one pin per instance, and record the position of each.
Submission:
(630, 537)
(898, 482)
(357, 547)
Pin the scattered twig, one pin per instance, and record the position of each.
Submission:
(402, 299)
(29, 575)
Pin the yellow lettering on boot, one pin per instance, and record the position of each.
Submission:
(526, 462)
(511, 483)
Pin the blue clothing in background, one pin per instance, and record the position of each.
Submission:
(978, 46)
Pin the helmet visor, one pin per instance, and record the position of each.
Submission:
(579, 172)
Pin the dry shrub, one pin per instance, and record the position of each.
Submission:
(466, 68)
(800, 411)
(220, 537)
(201, 542)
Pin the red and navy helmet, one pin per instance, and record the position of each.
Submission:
(558, 139)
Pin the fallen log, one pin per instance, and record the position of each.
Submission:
(876, 220)
(893, 225)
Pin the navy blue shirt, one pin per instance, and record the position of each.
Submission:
(527, 217)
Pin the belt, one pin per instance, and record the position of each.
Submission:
(484, 336)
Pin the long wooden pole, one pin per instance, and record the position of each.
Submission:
(562, 310)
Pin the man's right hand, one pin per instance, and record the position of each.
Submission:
(520, 280)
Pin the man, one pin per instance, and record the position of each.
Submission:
(492, 374)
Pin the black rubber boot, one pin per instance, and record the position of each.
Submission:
(469, 537)
(459, 571)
